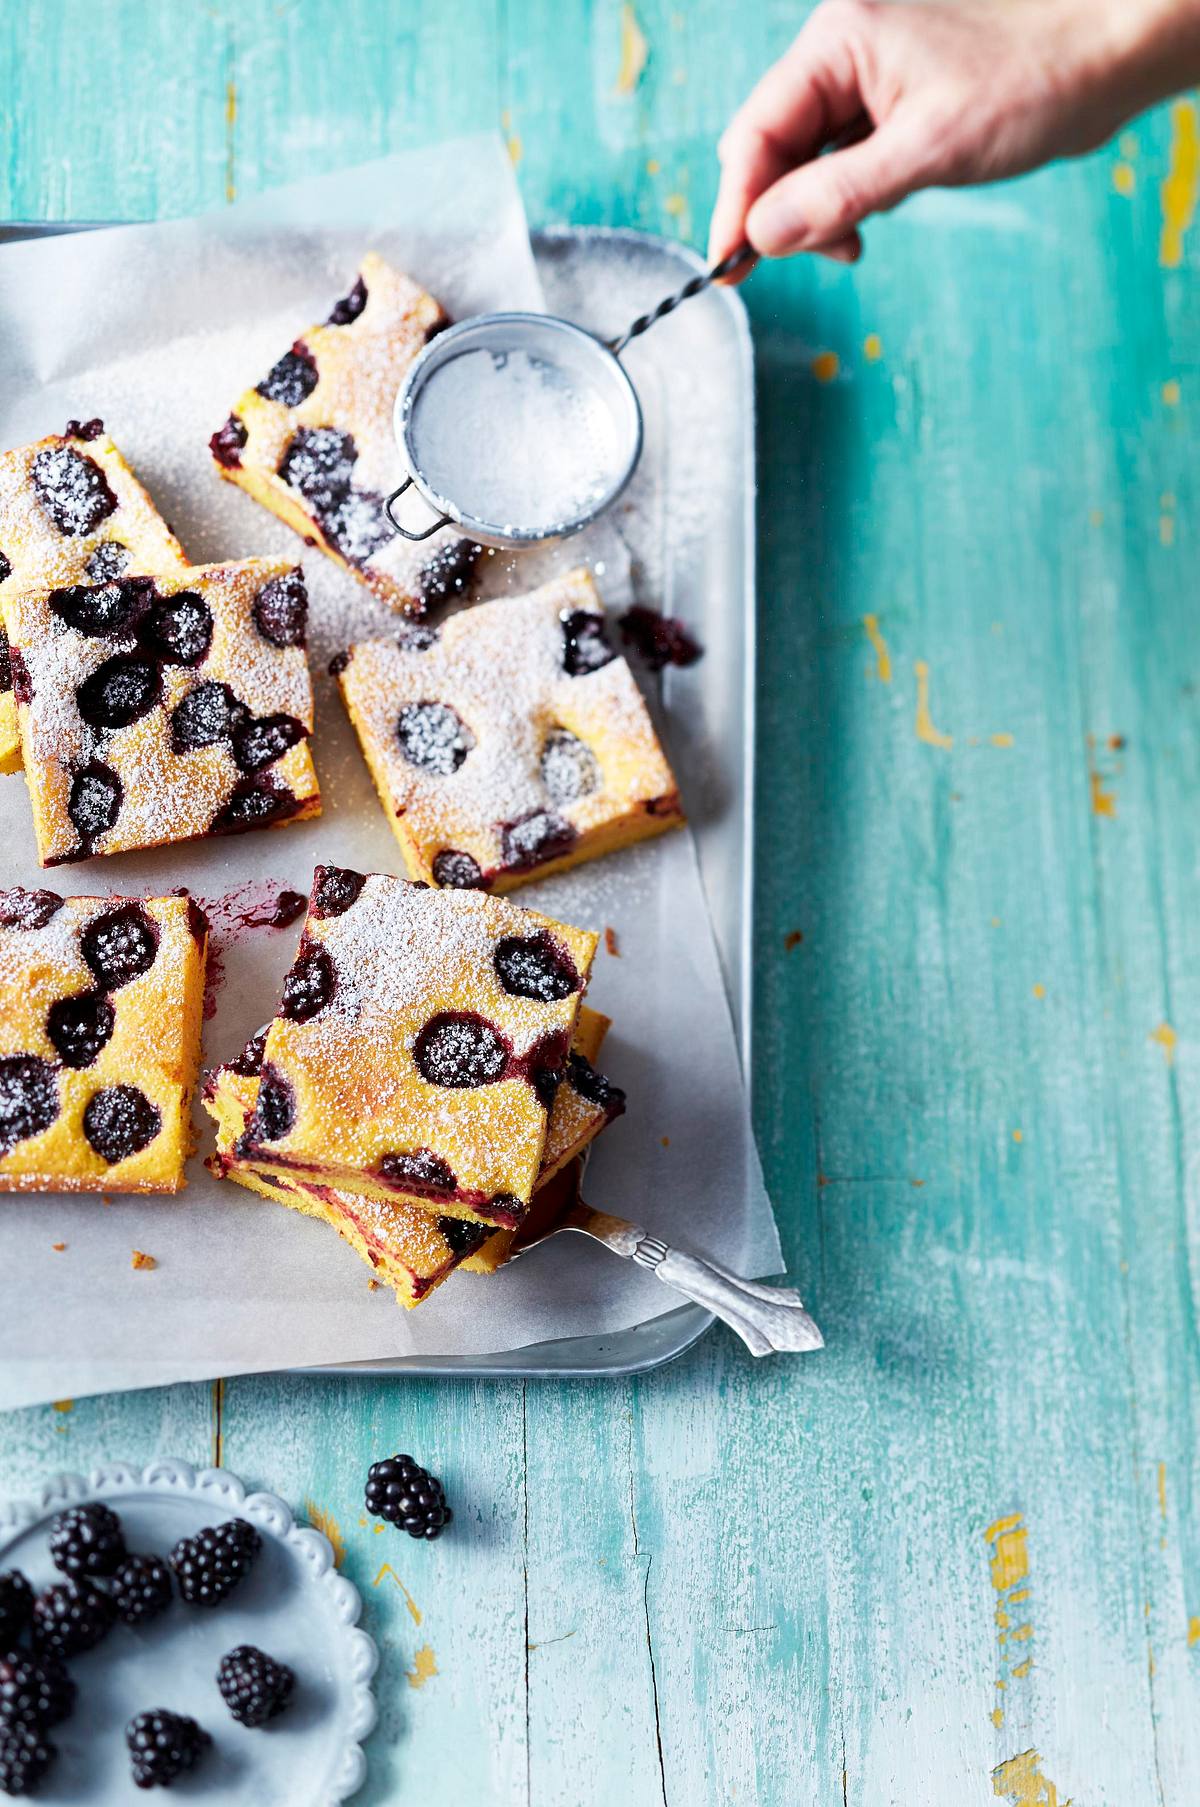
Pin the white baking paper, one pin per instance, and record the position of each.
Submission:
(158, 329)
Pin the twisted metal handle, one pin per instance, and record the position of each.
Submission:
(443, 520)
(697, 284)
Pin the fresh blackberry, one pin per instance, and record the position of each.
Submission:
(87, 1540)
(25, 1757)
(253, 1685)
(71, 1617)
(16, 1604)
(210, 1565)
(141, 1589)
(407, 1495)
(162, 1745)
(36, 1689)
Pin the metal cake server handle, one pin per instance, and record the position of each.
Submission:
(769, 1319)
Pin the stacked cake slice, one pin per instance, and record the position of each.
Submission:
(429, 1072)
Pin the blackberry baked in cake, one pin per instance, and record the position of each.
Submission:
(313, 441)
(510, 742)
(410, 1247)
(71, 511)
(156, 709)
(418, 1046)
(100, 1008)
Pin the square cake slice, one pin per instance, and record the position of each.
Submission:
(419, 1043)
(101, 1001)
(409, 1247)
(156, 709)
(510, 742)
(313, 440)
(71, 511)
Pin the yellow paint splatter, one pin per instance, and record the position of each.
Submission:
(883, 658)
(676, 205)
(925, 729)
(997, 1717)
(1182, 181)
(1193, 1635)
(1021, 1670)
(1096, 517)
(231, 113)
(1020, 1780)
(1167, 1040)
(1002, 739)
(327, 1524)
(995, 921)
(1171, 393)
(1166, 530)
(825, 366)
(516, 150)
(1104, 802)
(387, 1569)
(1039, 991)
(1123, 178)
(1010, 1551)
(1018, 1135)
(1127, 144)
(634, 51)
(424, 1667)
(64, 1406)
(653, 166)
(872, 348)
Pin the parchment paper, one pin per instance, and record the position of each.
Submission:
(158, 329)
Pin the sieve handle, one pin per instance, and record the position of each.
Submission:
(696, 286)
(443, 520)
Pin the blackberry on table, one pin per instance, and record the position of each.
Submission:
(87, 1540)
(141, 1589)
(407, 1495)
(71, 1617)
(25, 1756)
(34, 1689)
(16, 1604)
(210, 1565)
(253, 1685)
(162, 1745)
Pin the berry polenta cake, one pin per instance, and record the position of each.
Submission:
(313, 440)
(71, 511)
(100, 1008)
(510, 742)
(156, 709)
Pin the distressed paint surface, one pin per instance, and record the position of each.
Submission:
(785, 1584)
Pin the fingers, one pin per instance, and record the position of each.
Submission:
(823, 202)
(809, 96)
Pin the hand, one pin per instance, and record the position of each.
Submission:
(906, 96)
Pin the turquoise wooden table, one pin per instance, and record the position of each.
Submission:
(956, 1557)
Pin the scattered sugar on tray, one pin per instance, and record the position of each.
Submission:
(511, 441)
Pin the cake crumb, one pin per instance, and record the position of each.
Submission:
(106, 1198)
(372, 1286)
(666, 1141)
(792, 939)
(610, 942)
(141, 1260)
(58, 1247)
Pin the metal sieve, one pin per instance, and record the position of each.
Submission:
(571, 361)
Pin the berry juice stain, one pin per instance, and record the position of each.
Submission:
(261, 903)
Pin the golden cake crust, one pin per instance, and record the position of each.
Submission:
(84, 519)
(101, 1001)
(214, 660)
(419, 1036)
(313, 440)
(512, 742)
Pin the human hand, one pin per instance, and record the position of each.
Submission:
(906, 96)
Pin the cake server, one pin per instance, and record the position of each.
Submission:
(455, 461)
(770, 1320)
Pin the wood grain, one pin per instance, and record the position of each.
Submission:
(805, 1582)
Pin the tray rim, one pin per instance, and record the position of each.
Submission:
(691, 1322)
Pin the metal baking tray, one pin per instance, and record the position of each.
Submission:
(694, 550)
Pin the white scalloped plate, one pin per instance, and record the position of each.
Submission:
(293, 1604)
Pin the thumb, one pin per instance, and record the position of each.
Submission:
(823, 201)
